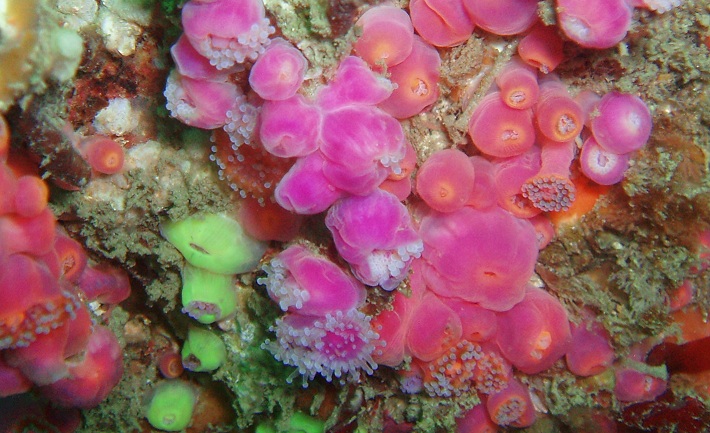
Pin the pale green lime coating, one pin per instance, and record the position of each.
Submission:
(203, 350)
(300, 422)
(170, 405)
(214, 242)
(207, 296)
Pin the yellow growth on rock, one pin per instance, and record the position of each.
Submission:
(18, 37)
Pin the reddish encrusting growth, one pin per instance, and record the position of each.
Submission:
(248, 169)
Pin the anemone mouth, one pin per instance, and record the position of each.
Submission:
(199, 249)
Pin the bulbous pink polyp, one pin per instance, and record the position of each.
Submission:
(479, 256)
(289, 128)
(446, 179)
(502, 17)
(599, 24)
(635, 386)
(416, 78)
(590, 352)
(498, 130)
(304, 189)
(443, 23)
(623, 123)
(354, 83)
(362, 145)
(200, 103)
(600, 165)
(299, 280)
(93, 376)
(226, 31)
(375, 234)
(279, 71)
(518, 86)
(433, 329)
(387, 35)
(534, 333)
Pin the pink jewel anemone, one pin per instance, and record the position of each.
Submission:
(338, 345)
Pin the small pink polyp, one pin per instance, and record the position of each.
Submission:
(279, 71)
(190, 63)
(502, 17)
(590, 352)
(599, 24)
(600, 165)
(354, 83)
(416, 79)
(559, 118)
(226, 31)
(304, 189)
(200, 103)
(623, 123)
(518, 85)
(387, 35)
(443, 23)
(446, 179)
(498, 130)
(535, 333)
(635, 386)
(433, 329)
(542, 48)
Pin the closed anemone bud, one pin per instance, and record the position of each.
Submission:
(634, 386)
(31, 197)
(387, 35)
(445, 181)
(476, 420)
(622, 124)
(416, 79)
(559, 118)
(103, 154)
(535, 333)
(72, 257)
(600, 165)
(502, 17)
(203, 350)
(518, 85)
(542, 48)
(170, 364)
(590, 352)
(601, 24)
(279, 71)
(498, 130)
(169, 405)
(443, 23)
